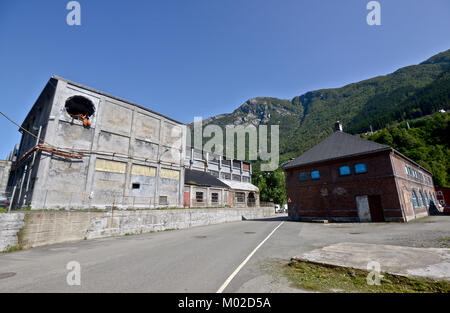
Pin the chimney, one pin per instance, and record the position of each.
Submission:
(338, 126)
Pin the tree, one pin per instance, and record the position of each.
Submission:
(272, 185)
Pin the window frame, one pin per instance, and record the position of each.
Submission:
(359, 164)
(237, 196)
(303, 176)
(315, 178)
(420, 198)
(414, 199)
(197, 196)
(345, 174)
(166, 202)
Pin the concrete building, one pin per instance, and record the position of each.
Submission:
(5, 167)
(346, 178)
(230, 178)
(91, 149)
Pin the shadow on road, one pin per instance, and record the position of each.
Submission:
(268, 219)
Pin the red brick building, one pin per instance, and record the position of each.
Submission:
(346, 178)
(443, 198)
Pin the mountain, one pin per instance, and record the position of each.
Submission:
(425, 140)
(408, 93)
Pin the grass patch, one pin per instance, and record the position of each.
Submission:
(13, 249)
(326, 278)
(3, 210)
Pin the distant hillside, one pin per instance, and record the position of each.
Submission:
(427, 142)
(408, 93)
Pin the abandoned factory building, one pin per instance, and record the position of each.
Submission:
(83, 148)
(213, 180)
(347, 178)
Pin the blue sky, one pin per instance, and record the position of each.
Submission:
(187, 58)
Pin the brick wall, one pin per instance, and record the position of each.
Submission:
(333, 196)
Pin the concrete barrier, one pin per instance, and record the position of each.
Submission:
(33, 229)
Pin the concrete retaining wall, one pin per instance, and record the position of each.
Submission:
(38, 229)
(10, 225)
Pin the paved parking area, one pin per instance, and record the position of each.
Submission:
(201, 259)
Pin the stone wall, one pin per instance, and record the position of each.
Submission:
(38, 229)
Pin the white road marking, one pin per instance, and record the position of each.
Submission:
(229, 279)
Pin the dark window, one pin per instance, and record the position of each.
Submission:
(439, 193)
(236, 177)
(214, 173)
(163, 200)
(240, 197)
(344, 170)
(360, 168)
(303, 176)
(136, 186)
(315, 175)
(214, 197)
(199, 196)
(226, 175)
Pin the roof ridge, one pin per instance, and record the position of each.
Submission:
(337, 145)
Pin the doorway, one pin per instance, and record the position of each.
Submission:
(376, 209)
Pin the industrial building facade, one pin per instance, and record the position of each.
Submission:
(349, 179)
(83, 148)
(91, 149)
(213, 180)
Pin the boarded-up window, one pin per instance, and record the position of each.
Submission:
(110, 166)
(214, 197)
(143, 170)
(163, 200)
(170, 174)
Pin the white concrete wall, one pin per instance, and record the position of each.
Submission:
(38, 229)
(10, 225)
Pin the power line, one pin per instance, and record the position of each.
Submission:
(25, 130)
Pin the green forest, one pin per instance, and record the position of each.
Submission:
(426, 141)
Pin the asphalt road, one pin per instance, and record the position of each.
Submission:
(199, 259)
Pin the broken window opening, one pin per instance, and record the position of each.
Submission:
(136, 186)
(81, 108)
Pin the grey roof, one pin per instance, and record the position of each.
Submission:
(193, 177)
(337, 145)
